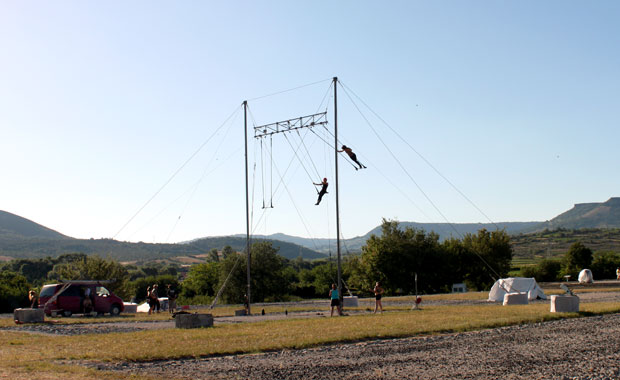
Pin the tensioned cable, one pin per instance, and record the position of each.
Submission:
(293, 201)
(347, 159)
(219, 292)
(261, 153)
(271, 171)
(281, 179)
(190, 188)
(369, 163)
(412, 180)
(422, 157)
(204, 175)
(177, 171)
(296, 208)
(289, 90)
(262, 171)
(327, 93)
(302, 164)
(308, 153)
(280, 183)
(328, 164)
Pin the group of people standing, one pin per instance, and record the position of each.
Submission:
(334, 295)
(152, 298)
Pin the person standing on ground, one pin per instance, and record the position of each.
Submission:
(34, 299)
(334, 295)
(246, 304)
(617, 273)
(323, 190)
(352, 156)
(378, 290)
(155, 298)
(148, 299)
(172, 298)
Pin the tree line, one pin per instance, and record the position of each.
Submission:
(394, 258)
(602, 264)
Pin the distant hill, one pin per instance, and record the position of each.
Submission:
(444, 230)
(286, 249)
(22, 238)
(586, 222)
(11, 224)
(553, 243)
(587, 215)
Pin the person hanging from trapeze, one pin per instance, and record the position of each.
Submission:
(352, 156)
(323, 189)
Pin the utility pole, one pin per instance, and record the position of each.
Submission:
(247, 204)
(337, 198)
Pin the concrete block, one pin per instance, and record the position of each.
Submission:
(515, 299)
(240, 313)
(193, 321)
(564, 304)
(28, 315)
(350, 301)
(130, 308)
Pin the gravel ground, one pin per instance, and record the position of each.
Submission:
(583, 348)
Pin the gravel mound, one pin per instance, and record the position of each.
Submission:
(575, 349)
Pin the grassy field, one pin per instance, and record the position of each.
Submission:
(26, 356)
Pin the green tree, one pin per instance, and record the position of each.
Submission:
(227, 251)
(202, 280)
(547, 270)
(214, 256)
(267, 277)
(493, 256)
(604, 265)
(324, 275)
(577, 258)
(397, 255)
(95, 268)
(137, 288)
(13, 291)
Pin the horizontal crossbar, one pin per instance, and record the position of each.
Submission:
(291, 125)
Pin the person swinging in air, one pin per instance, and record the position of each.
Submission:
(323, 189)
(352, 156)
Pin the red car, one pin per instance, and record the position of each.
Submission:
(79, 297)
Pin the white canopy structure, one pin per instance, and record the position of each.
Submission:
(516, 285)
(585, 277)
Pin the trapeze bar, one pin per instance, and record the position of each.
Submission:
(291, 125)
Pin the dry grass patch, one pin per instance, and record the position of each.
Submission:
(26, 356)
(284, 334)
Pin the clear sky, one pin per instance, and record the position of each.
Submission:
(515, 103)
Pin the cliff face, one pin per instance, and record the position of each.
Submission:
(588, 215)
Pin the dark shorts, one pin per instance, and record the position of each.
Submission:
(378, 297)
(335, 302)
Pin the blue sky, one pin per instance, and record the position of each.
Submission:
(515, 103)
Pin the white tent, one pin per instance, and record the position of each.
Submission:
(585, 277)
(516, 285)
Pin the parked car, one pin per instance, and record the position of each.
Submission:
(79, 297)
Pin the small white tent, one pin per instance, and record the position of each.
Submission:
(585, 277)
(516, 285)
